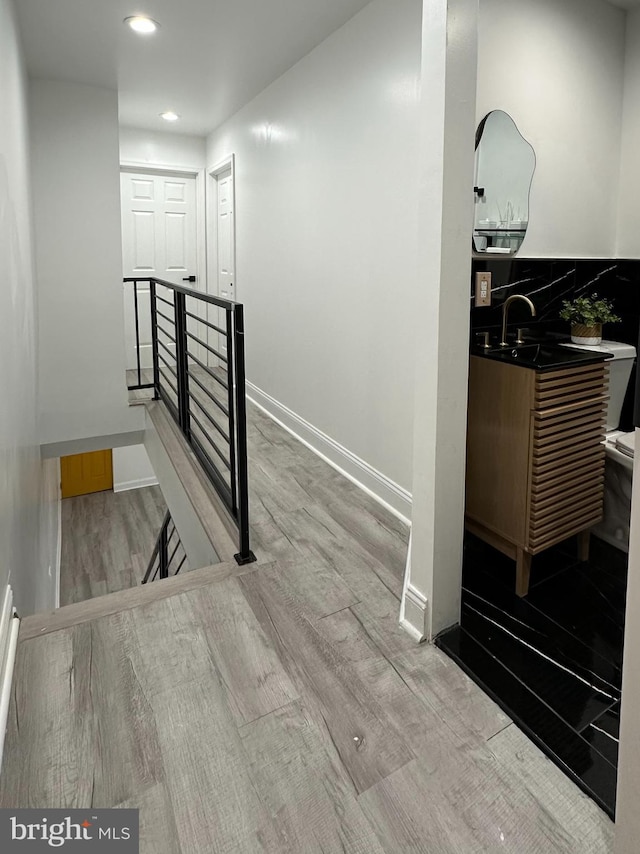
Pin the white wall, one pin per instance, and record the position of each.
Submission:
(132, 468)
(155, 148)
(628, 245)
(326, 207)
(76, 192)
(28, 545)
(557, 67)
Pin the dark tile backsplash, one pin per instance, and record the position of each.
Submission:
(549, 281)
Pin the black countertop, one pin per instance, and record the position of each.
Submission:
(541, 356)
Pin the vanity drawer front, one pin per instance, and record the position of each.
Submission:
(558, 449)
(558, 529)
(557, 423)
(554, 485)
(583, 459)
(575, 385)
(566, 434)
(565, 505)
(572, 418)
(555, 489)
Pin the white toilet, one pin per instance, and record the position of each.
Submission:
(614, 528)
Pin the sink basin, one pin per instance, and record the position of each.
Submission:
(543, 357)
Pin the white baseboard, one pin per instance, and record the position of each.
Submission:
(392, 496)
(58, 568)
(413, 605)
(9, 625)
(5, 624)
(413, 613)
(135, 484)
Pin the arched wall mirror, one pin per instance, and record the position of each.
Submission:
(505, 163)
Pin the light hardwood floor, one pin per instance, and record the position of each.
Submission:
(107, 541)
(280, 708)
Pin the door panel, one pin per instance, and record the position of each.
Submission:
(159, 240)
(142, 188)
(82, 474)
(175, 191)
(176, 245)
(143, 245)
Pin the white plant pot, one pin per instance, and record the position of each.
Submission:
(590, 342)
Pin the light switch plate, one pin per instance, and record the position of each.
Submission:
(483, 289)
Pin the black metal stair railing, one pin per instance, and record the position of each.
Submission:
(198, 363)
(168, 556)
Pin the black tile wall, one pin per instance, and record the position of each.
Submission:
(549, 281)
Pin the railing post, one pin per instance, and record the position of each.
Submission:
(182, 362)
(154, 339)
(231, 404)
(245, 555)
(163, 551)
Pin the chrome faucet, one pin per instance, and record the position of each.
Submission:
(505, 312)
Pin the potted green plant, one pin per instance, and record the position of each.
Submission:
(586, 316)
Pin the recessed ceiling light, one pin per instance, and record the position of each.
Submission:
(169, 116)
(141, 24)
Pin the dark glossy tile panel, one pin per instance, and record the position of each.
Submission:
(545, 281)
(618, 280)
(601, 554)
(576, 756)
(480, 557)
(562, 645)
(589, 603)
(576, 683)
(562, 688)
(489, 576)
(549, 281)
(604, 733)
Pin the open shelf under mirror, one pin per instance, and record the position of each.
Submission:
(489, 241)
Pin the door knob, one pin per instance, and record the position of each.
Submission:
(189, 279)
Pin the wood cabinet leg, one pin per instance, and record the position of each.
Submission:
(584, 540)
(523, 570)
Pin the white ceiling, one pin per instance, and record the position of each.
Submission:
(209, 58)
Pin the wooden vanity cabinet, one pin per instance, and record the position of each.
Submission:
(535, 458)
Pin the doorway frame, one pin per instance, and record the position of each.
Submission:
(201, 207)
(228, 162)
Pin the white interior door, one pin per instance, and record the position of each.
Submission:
(224, 242)
(159, 240)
